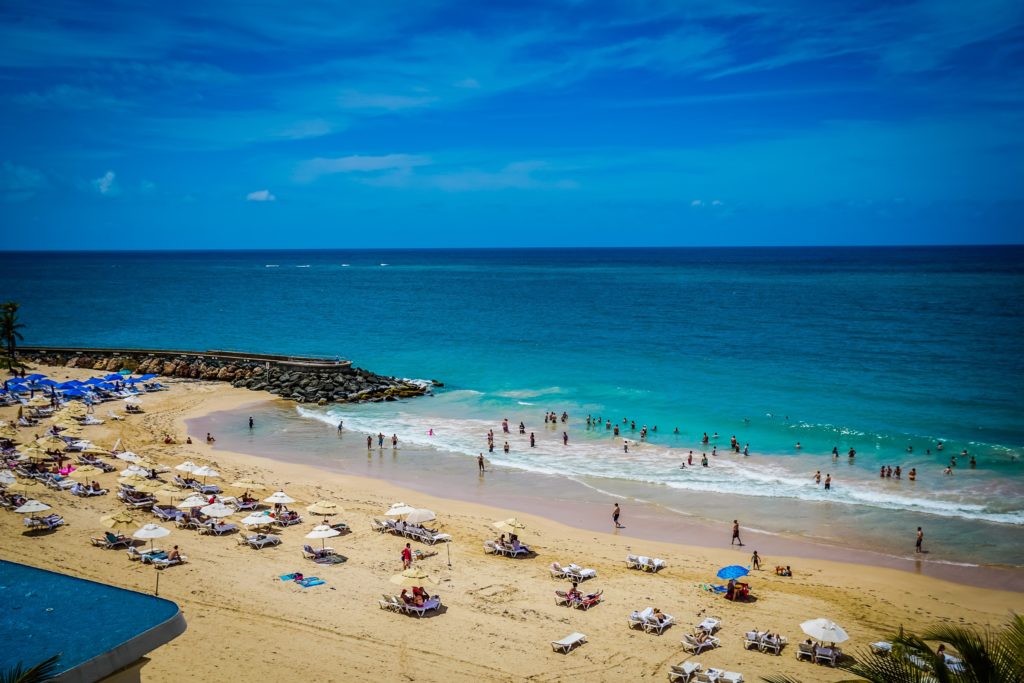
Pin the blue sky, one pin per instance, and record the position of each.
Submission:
(433, 124)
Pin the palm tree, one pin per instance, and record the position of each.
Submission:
(43, 671)
(10, 330)
(991, 655)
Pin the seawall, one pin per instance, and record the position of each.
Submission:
(304, 379)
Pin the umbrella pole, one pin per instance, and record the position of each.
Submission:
(157, 591)
(449, 547)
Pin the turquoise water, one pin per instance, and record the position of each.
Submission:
(46, 613)
(873, 349)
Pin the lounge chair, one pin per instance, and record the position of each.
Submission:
(565, 645)
(218, 529)
(259, 540)
(691, 644)
(562, 598)
(636, 619)
(805, 651)
(110, 541)
(50, 522)
(556, 571)
(719, 676)
(291, 520)
(882, 648)
(683, 672)
(709, 625)
(578, 573)
(588, 601)
(773, 645)
(136, 554)
(654, 625)
(391, 603)
(510, 551)
(432, 604)
(242, 505)
(632, 562)
(168, 514)
(312, 554)
(827, 655)
(164, 562)
(89, 492)
(653, 564)
(490, 548)
(378, 526)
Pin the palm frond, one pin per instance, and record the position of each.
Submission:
(43, 671)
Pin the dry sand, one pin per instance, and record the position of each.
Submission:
(499, 615)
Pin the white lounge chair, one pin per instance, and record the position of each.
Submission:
(578, 573)
(654, 625)
(773, 645)
(632, 562)
(490, 548)
(654, 564)
(568, 643)
(752, 638)
(719, 676)
(709, 625)
(259, 540)
(691, 644)
(390, 602)
(805, 651)
(684, 672)
(637, 619)
(164, 563)
(556, 571)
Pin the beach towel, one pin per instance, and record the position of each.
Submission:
(331, 559)
(713, 589)
(306, 582)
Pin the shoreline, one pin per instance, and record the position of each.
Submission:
(493, 605)
(647, 521)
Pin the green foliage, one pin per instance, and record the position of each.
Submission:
(990, 655)
(43, 671)
(10, 331)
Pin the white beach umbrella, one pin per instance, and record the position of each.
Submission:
(127, 456)
(192, 502)
(323, 532)
(279, 497)
(187, 466)
(132, 400)
(151, 532)
(217, 510)
(134, 469)
(257, 519)
(420, 515)
(399, 509)
(30, 507)
(824, 630)
(205, 471)
(7, 477)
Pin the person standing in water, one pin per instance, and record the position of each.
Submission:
(565, 438)
(920, 540)
(480, 463)
(394, 441)
(736, 533)
(615, 516)
(533, 440)
(369, 443)
(250, 422)
(828, 481)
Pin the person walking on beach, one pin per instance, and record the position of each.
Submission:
(480, 462)
(250, 422)
(394, 441)
(920, 540)
(406, 556)
(615, 516)
(736, 533)
(380, 440)
(755, 561)
(341, 426)
(369, 442)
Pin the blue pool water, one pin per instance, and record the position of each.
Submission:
(875, 349)
(45, 613)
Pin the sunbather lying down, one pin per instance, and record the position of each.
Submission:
(783, 571)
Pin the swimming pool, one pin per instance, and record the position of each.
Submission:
(96, 628)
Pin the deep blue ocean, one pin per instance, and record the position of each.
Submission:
(877, 349)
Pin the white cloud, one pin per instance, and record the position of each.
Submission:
(468, 84)
(697, 202)
(261, 196)
(313, 128)
(520, 175)
(356, 163)
(106, 184)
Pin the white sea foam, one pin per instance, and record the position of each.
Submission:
(529, 393)
(271, 265)
(603, 457)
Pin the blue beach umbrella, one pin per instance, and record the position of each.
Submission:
(93, 381)
(113, 377)
(18, 380)
(48, 383)
(146, 378)
(733, 571)
(35, 378)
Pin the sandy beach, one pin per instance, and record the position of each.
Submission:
(499, 615)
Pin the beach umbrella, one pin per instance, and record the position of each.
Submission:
(279, 498)
(420, 515)
(324, 507)
(323, 532)
(39, 401)
(168, 490)
(148, 486)
(118, 521)
(399, 509)
(31, 507)
(511, 524)
(824, 630)
(257, 519)
(249, 484)
(34, 377)
(733, 571)
(135, 471)
(149, 464)
(9, 432)
(127, 456)
(85, 471)
(187, 466)
(192, 502)
(51, 441)
(217, 510)
(113, 377)
(412, 578)
(7, 477)
(76, 409)
(151, 532)
(133, 479)
(131, 400)
(204, 472)
(25, 487)
(34, 453)
(95, 450)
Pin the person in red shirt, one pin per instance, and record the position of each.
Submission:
(406, 556)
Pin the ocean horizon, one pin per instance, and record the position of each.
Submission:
(887, 351)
